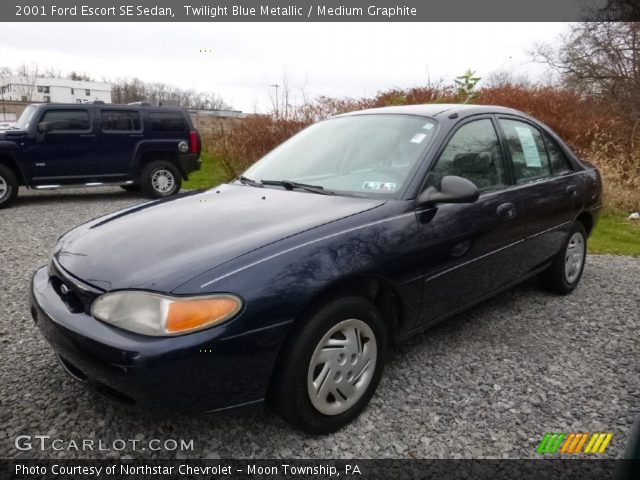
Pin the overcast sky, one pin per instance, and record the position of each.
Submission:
(334, 59)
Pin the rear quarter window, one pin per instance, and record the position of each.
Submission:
(167, 122)
(120, 120)
(559, 162)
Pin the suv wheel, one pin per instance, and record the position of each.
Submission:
(566, 270)
(8, 186)
(160, 179)
(331, 366)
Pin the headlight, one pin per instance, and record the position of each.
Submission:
(163, 315)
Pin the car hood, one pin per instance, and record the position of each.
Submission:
(160, 245)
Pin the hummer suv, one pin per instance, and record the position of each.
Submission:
(136, 146)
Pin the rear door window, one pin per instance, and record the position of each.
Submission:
(120, 121)
(166, 122)
(527, 148)
(67, 120)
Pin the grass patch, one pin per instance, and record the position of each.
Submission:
(211, 173)
(615, 235)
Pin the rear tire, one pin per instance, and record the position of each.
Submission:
(8, 186)
(330, 366)
(160, 179)
(564, 274)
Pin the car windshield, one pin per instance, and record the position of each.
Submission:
(25, 118)
(371, 155)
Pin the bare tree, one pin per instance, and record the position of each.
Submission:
(27, 76)
(285, 96)
(135, 90)
(504, 77)
(602, 60)
(5, 73)
(618, 11)
(77, 76)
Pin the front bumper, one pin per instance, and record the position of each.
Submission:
(198, 372)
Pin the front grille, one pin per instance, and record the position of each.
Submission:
(76, 295)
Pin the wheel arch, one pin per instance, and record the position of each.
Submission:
(587, 221)
(11, 163)
(376, 289)
(371, 287)
(154, 155)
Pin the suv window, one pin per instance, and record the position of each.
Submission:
(559, 162)
(67, 120)
(528, 152)
(474, 153)
(120, 120)
(167, 122)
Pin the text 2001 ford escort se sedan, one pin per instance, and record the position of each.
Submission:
(288, 284)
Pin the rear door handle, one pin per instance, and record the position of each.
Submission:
(88, 135)
(507, 211)
(133, 135)
(572, 190)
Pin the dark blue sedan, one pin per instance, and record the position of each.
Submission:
(288, 284)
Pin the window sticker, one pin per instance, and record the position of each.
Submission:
(379, 186)
(427, 126)
(529, 148)
(418, 137)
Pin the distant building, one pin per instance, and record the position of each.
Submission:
(55, 90)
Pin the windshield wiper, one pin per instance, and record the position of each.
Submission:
(248, 181)
(291, 185)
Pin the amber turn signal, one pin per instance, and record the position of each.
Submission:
(192, 314)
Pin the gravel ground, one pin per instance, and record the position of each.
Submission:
(488, 383)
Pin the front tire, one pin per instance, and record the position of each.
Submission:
(331, 365)
(160, 179)
(8, 186)
(564, 274)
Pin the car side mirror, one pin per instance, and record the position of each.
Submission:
(44, 127)
(452, 189)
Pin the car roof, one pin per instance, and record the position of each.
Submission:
(124, 106)
(438, 109)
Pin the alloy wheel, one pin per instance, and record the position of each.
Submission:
(162, 181)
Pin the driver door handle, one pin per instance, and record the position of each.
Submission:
(507, 211)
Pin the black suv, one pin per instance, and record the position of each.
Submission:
(136, 146)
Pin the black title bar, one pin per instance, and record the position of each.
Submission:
(578, 469)
(316, 10)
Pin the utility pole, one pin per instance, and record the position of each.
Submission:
(276, 86)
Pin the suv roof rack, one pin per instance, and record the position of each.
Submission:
(142, 104)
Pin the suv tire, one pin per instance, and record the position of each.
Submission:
(160, 179)
(8, 186)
